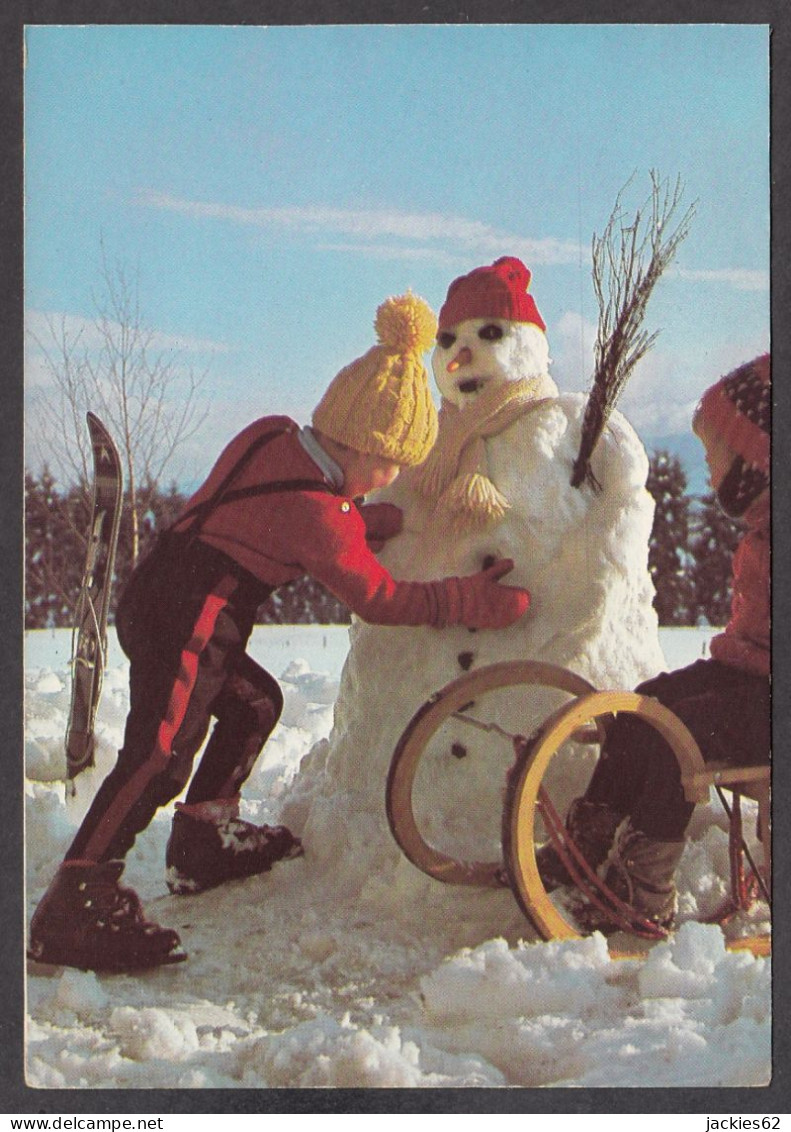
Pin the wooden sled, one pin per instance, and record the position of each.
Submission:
(528, 809)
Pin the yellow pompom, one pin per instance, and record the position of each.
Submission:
(406, 324)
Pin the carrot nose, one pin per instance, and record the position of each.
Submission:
(463, 358)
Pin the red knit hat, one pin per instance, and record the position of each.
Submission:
(737, 409)
(499, 291)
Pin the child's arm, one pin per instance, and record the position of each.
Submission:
(333, 550)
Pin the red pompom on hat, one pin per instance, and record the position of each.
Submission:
(498, 291)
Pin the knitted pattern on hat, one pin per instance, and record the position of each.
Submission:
(738, 410)
(498, 291)
(381, 403)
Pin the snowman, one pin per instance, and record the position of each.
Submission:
(496, 485)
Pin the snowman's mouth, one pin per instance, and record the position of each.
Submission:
(471, 384)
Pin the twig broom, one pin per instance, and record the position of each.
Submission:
(628, 260)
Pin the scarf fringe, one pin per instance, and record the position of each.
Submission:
(472, 500)
(455, 474)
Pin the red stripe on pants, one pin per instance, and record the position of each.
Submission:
(168, 729)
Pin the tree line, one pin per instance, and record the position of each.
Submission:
(690, 552)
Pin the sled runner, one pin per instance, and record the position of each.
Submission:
(89, 641)
(530, 815)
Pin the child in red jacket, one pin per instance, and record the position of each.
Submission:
(281, 502)
(724, 701)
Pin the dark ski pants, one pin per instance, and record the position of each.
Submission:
(728, 713)
(184, 622)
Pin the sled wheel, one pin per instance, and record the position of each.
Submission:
(413, 742)
(526, 797)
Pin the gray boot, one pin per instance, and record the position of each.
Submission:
(641, 874)
(592, 827)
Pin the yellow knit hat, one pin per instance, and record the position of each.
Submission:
(381, 403)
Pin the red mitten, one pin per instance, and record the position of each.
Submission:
(382, 521)
(478, 602)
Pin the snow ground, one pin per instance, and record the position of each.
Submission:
(298, 979)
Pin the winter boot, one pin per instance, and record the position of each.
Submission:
(641, 874)
(210, 844)
(592, 827)
(87, 920)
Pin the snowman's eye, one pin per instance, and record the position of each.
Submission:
(446, 339)
(491, 332)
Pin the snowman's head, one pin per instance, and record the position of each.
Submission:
(478, 352)
(489, 332)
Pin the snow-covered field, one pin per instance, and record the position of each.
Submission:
(301, 978)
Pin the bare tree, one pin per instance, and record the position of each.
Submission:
(113, 366)
(628, 260)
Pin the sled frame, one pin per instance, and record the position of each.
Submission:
(526, 799)
(440, 707)
(583, 720)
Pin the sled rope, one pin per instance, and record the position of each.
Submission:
(492, 728)
(589, 884)
(586, 880)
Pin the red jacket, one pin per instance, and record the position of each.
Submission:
(311, 528)
(745, 642)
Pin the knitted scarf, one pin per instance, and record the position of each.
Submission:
(456, 473)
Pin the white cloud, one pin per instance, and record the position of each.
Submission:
(571, 341)
(397, 251)
(374, 224)
(661, 395)
(740, 278)
(372, 228)
(665, 386)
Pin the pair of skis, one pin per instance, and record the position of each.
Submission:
(89, 638)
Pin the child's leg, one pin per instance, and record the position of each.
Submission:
(727, 713)
(173, 682)
(247, 709)
(638, 778)
(618, 780)
(209, 843)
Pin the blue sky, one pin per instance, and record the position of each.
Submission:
(271, 186)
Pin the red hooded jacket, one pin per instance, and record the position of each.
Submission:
(745, 642)
(309, 527)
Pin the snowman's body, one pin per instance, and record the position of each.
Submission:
(582, 554)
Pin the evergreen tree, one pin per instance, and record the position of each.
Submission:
(54, 551)
(714, 539)
(56, 533)
(43, 596)
(668, 555)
